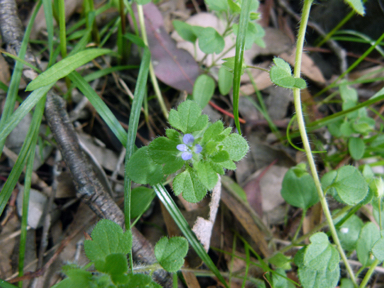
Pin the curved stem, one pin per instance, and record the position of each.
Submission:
(304, 137)
(300, 224)
(369, 273)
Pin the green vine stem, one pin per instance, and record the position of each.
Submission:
(369, 273)
(304, 136)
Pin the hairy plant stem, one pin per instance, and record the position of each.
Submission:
(369, 273)
(304, 136)
(151, 69)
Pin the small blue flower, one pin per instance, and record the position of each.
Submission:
(187, 148)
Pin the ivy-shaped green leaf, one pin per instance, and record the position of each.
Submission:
(210, 41)
(203, 90)
(236, 146)
(320, 254)
(350, 185)
(107, 238)
(189, 184)
(171, 252)
(143, 170)
(299, 190)
(369, 235)
(116, 265)
(281, 75)
(188, 117)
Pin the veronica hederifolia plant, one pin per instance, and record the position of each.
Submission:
(194, 148)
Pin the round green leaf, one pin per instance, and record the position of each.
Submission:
(171, 252)
(236, 146)
(299, 191)
(142, 170)
(350, 185)
(185, 31)
(378, 249)
(349, 232)
(210, 41)
(225, 80)
(356, 147)
(369, 235)
(203, 90)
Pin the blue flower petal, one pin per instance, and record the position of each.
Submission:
(186, 156)
(198, 148)
(182, 147)
(188, 139)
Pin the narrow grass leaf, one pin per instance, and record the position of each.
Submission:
(28, 146)
(65, 66)
(172, 208)
(100, 107)
(23, 110)
(240, 45)
(16, 76)
(48, 13)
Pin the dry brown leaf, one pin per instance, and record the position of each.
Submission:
(7, 245)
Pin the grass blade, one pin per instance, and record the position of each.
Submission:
(48, 13)
(28, 146)
(16, 76)
(240, 45)
(65, 66)
(100, 106)
(172, 208)
(23, 110)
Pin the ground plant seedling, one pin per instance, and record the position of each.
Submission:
(187, 165)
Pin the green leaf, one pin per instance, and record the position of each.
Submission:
(173, 135)
(139, 281)
(236, 146)
(318, 279)
(346, 283)
(107, 238)
(369, 235)
(188, 117)
(320, 254)
(141, 198)
(210, 41)
(281, 75)
(310, 278)
(229, 65)
(254, 32)
(349, 232)
(356, 147)
(116, 265)
(350, 185)
(143, 170)
(378, 249)
(363, 125)
(234, 7)
(357, 5)
(220, 157)
(163, 150)
(189, 184)
(171, 252)
(207, 176)
(65, 66)
(281, 261)
(279, 281)
(225, 80)
(299, 191)
(348, 94)
(212, 131)
(217, 5)
(203, 90)
(185, 31)
(77, 278)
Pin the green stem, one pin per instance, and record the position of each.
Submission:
(300, 224)
(304, 136)
(369, 273)
(151, 69)
(379, 204)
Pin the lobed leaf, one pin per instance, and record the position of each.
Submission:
(171, 252)
(207, 176)
(107, 238)
(236, 146)
(189, 184)
(188, 117)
